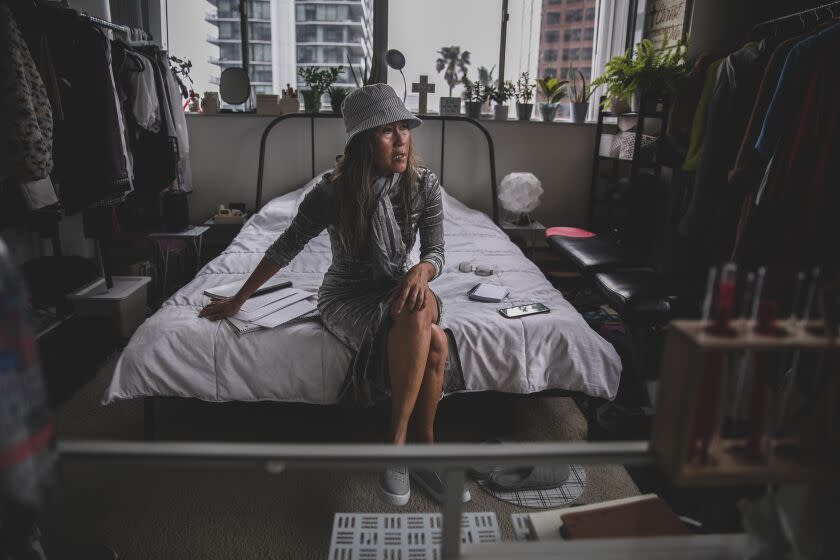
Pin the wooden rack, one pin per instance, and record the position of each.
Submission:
(693, 383)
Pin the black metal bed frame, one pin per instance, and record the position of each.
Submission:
(149, 424)
(443, 118)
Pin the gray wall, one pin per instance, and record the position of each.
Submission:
(224, 153)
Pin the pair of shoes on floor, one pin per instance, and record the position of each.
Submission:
(513, 479)
(394, 486)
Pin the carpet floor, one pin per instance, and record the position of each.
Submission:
(163, 511)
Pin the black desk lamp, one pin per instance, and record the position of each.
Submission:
(396, 60)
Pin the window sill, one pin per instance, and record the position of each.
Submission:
(483, 120)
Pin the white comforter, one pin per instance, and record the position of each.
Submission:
(174, 353)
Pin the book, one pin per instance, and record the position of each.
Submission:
(489, 293)
(228, 290)
(638, 516)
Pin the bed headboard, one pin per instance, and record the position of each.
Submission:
(443, 118)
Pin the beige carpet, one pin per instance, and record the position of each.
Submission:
(146, 511)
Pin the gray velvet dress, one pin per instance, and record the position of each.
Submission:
(355, 295)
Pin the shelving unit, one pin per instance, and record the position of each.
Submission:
(620, 165)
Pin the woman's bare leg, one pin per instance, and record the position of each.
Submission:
(427, 400)
(408, 349)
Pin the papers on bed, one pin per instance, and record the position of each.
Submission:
(269, 310)
(228, 290)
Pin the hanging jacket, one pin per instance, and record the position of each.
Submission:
(26, 127)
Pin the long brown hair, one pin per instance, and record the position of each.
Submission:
(353, 177)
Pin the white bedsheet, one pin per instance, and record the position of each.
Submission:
(174, 353)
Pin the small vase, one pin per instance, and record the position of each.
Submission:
(450, 106)
(501, 112)
(312, 101)
(473, 109)
(578, 112)
(524, 110)
(335, 104)
(548, 111)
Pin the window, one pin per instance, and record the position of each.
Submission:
(230, 51)
(259, 9)
(258, 31)
(551, 36)
(260, 73)
(573, 15)
(553, 17)
(306, 33)
(550, 55)
(554, 2)
(586, 53)
(260, 53)
(229, 30)
(571, 54)
(334, 34)
(588, 33)
(572, 34)
(549, 73)
(419, 31)
(590, 14)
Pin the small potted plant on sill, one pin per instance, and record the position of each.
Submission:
(319, 81)
(475, 96)
(552, 91)
(578, 95)
(337, 95)
(452, 62)
(500, 96)
(524, 95)
(485, 77)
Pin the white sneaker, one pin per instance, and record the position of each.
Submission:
(433, 484)
(393, 486)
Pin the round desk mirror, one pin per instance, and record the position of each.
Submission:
(234, 86)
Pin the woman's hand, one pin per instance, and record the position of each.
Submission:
(219, 309)
(411, 293)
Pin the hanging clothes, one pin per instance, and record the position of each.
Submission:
(179, 122)
(698, 122)
(794, 222)
(92, 166)
(713, 210)
(26, 132)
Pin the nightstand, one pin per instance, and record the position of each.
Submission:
(218, 237)
(172, 242)
(528, 237)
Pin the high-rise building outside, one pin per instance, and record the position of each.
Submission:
(285, 35)
(567, 34)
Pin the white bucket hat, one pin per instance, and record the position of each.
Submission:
(371, 106)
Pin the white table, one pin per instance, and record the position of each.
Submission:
(193, 234)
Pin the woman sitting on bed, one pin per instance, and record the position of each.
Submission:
(372, 298)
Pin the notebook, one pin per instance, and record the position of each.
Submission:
(638, 516)
(488, 293)
(228, 290)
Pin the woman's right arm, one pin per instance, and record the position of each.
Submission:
(315, 213)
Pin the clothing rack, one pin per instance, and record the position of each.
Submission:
(785, 19)
(130, 32)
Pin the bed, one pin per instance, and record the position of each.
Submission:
(176, 354)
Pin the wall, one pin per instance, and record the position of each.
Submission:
(224, 152)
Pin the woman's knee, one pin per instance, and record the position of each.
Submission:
(417, 319)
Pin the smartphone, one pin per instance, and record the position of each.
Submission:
(523, 310)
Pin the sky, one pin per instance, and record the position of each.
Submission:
(418, 28)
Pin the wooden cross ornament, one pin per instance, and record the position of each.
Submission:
(424, 88)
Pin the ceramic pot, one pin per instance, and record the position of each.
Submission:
(524, 110)
(450, 105)
(473, 109)
(501, 112)
(619, 106)
(311, 101)
(578, 111)
(335, 104)
(548, 111)
(642, 102)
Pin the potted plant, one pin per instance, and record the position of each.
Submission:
(485, 77)
(552, 91)
(452, 62)
(578, 95)
(319, 81)
(524, 95)
(500, 96)
(475, 96)
(643, 71)
(337, 95)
